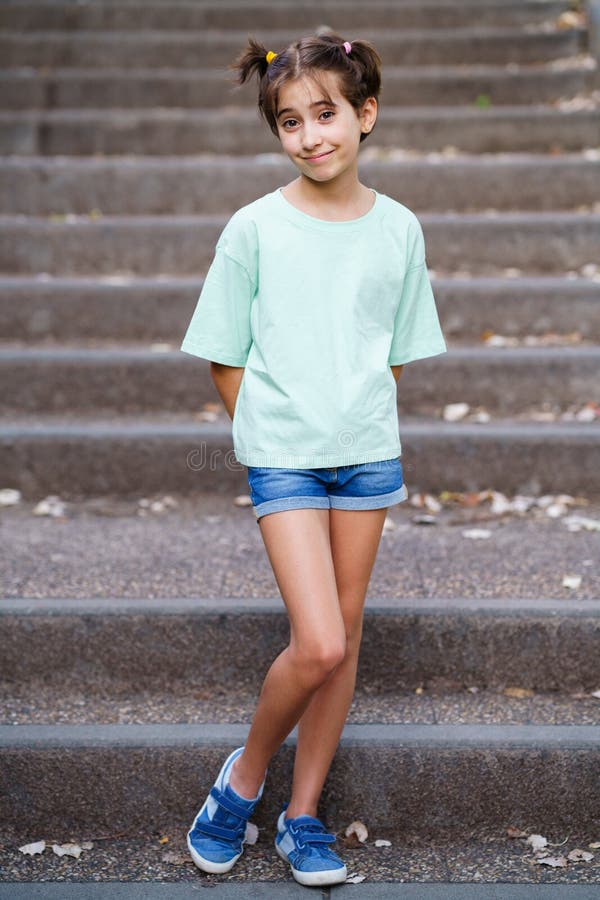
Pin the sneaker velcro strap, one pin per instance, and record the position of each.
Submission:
(230, 805)
(229, 834)
(312, 837)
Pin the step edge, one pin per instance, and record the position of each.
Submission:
(208, 606)
(484, 736)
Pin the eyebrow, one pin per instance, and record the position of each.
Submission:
(289, 109)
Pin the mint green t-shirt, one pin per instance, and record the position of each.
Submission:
(316, 312)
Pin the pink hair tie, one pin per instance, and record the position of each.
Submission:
(347, 46)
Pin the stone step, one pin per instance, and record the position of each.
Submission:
(137, 378)
(483, 866)
(459, 656)
(26, 88)
(191, 16)
(80, 456)
(41, 186)
(438, 774)
(216, 47)
(481, 243)
(50, 309)
(144, 553)
(237, 130)
(35, 702)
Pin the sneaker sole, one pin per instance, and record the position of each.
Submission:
(327, 876)
(209, 865)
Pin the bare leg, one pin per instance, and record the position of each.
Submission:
(355, 536)
(299, 549)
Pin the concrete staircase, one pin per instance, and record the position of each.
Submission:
(124, 153)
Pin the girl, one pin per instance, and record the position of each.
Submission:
(317, 296)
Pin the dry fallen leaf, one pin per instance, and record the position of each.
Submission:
(454, 412)
(570, 19)
(428, 501)
(477, 533)
(576, 855)
(432, 504)
(51, 505)
(32, 849)
(163, 840)
(518, 692)
(500, 340)
(9, 497)
(67, 850)
(553, 861)
(359, 829)
(537, 841)
(513, 832)
(576, 523)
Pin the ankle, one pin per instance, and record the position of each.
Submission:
(292, 812)
(241, 784)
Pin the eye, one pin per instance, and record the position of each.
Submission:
(326, 112)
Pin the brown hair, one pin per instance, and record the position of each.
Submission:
(359, 72)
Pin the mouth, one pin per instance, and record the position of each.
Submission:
(318, 156)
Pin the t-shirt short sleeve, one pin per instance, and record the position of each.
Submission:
(220, 326)
(417, 331)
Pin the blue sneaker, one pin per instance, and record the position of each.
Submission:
(302, 842)
(217, 835)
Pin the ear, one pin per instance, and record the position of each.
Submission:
(368, 115)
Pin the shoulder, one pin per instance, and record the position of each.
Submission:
(253, 212)
(400, 215)
(405, 229)
(242, 227)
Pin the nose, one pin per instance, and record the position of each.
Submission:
(311, 139)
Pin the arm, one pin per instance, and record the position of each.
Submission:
(396, 370)
(227, 380)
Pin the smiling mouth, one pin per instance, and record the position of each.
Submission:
(319, 155)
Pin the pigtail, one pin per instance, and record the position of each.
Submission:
(251, 61)
(366, 60)
(363, 59)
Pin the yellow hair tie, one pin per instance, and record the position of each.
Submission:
(270, 56)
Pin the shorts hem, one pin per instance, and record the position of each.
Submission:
(375, 502)
(283, 503)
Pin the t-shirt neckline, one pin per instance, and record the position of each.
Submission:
(325, 224)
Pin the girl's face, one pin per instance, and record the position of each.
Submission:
(321, 138)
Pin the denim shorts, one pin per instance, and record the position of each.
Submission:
(369, 485)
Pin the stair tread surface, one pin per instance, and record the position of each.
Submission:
(104, 548)
(451, 870)
(34, 703)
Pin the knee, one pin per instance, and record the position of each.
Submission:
(316, 661)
